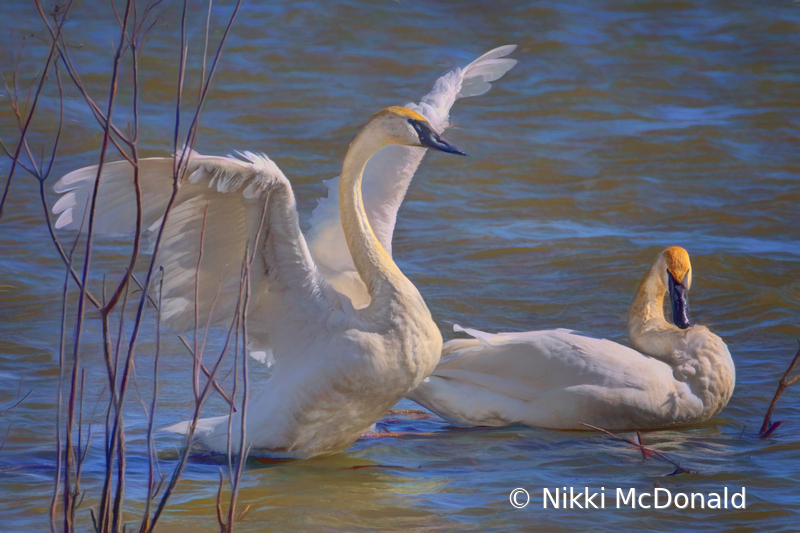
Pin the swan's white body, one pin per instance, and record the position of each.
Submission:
(561, 379)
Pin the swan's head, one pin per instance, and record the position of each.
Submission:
(677, 269)
(409, 128)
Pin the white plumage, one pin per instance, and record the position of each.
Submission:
(561, 378)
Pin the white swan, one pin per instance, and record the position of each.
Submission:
(337, 369)
(561, 379)
(228, 226)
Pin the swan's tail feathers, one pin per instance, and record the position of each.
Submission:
(206, 428)
(181, 428)
(473, 80)
(489, 339)
(115, 212)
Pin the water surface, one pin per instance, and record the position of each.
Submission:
(627, 127)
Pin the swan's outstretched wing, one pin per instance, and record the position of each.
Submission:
(301, 311)
(389, 172)
(116, 200)
(222, 198)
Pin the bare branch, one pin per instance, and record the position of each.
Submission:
(220, 520)
(15, 404)
(198, 357)
(151, 447)
(13, 407)
(646, 451)
(31, 112)
(214, 382)
(768, 427)
(198, 405)
(245, 398)
(193, 128)
(59, 400)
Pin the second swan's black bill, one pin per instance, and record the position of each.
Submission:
(679, 303)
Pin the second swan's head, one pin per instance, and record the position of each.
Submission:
(407, 127)
(678, 273)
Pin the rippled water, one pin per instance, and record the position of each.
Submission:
(627, 127)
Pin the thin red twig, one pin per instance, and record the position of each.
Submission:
(646, 451)
(768, 427)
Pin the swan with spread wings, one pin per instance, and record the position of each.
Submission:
(348, 334)
(338, 369)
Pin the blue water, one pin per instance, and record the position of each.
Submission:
(625, 128)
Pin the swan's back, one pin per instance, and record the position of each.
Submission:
(553, 378)
(703, 361)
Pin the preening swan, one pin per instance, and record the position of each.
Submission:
(682, 374)
(229, 225)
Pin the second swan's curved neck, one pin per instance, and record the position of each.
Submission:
(375, 266)
(648, 330)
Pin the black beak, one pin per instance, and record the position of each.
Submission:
(679, 303)
(431, 139)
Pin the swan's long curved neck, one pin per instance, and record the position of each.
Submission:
(648, 330)
(374, 265)
(384, 197)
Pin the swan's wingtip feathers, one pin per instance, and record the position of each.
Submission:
(64, 220)
(72, 187)
(472, 80)
(75, 179)
(477, 77)
(494, 53)
(65, 203)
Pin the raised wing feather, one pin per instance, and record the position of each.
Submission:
(389, 172)
(222, 199)
(116, 200)
(473, 80)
